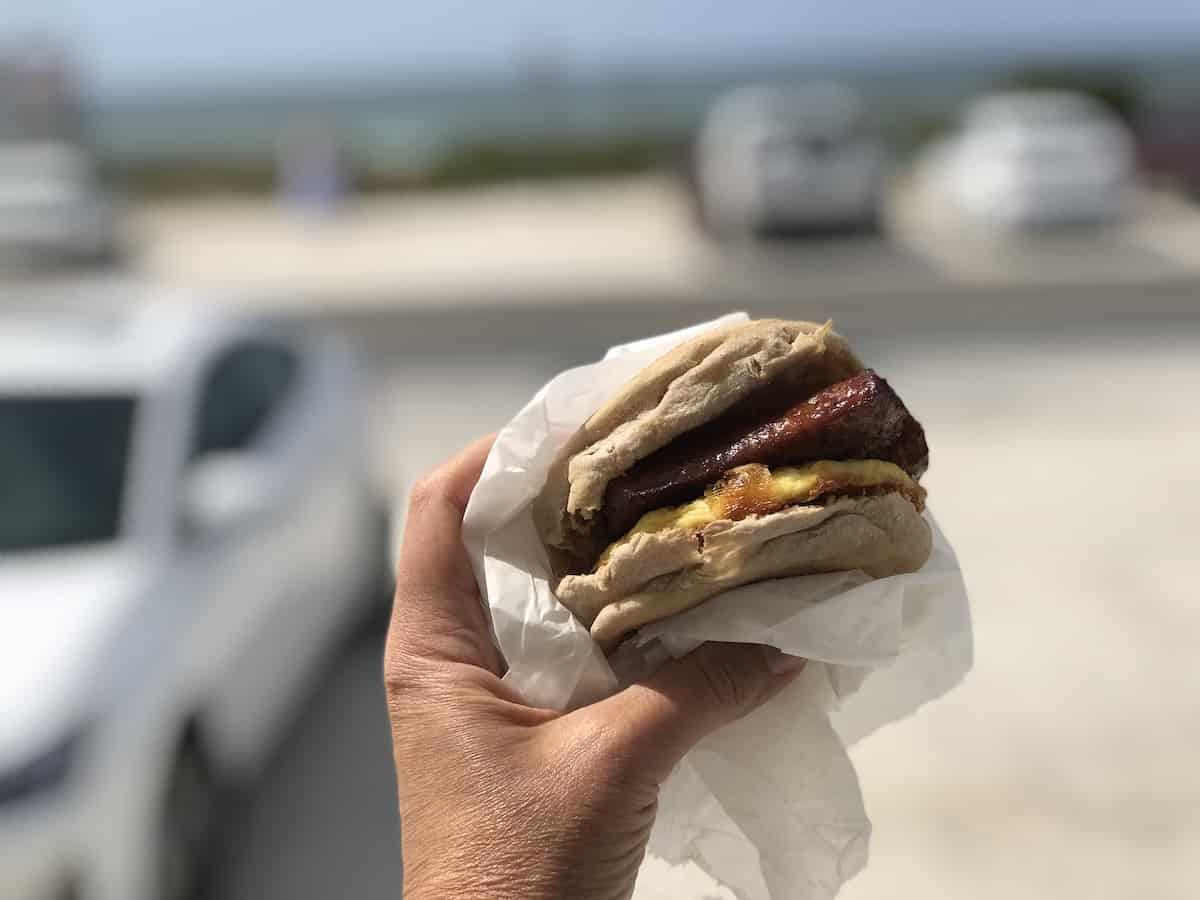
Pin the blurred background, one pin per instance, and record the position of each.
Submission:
(261, 264)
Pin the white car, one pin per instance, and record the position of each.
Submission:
(52, 203)
(186, 530)
(778, 159)
(1034, 159)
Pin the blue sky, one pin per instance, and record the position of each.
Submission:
(134, 46)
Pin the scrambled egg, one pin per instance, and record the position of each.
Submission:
(757, 490)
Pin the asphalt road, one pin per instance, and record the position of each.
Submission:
(1064, 768)
(322, 822)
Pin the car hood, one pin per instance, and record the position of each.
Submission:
(58, 612)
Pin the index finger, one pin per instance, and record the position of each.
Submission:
(438, 612)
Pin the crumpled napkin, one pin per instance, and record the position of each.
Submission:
(769, 806)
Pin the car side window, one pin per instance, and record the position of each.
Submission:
(241, 392)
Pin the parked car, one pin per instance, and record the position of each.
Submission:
(1040, 158)
(780, 159)
(52, 203)
(186, 530)
(1169, 148)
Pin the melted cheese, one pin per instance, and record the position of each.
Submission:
(757, 490)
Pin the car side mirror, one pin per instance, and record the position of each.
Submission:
(224, 491)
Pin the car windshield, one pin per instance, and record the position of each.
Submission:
(63, 464)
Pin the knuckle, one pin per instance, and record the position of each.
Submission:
(721, 684)
(607, 752)
(405, 671)
(427, 489)
(399, 675)
(422, 629)
(449, 640)
(605, 745)
(730, 681)
(411, 690)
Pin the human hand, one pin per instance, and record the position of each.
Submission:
(501, 800)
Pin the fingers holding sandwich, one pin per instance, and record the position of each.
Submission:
(437, 611)
(655, 723)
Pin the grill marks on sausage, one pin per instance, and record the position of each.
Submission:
(858, 418)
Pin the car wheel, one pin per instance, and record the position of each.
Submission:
(187, 836)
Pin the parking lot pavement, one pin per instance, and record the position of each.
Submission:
(522, 241)
(1142, 249)
(322, 822)
(593, 240)
(1171, 229)
(1063, 768)
(1060, 769)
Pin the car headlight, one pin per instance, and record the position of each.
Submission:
(45, 771)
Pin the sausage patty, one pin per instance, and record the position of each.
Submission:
(859, 418)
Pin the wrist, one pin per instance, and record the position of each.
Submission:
(466, 886)
(479, 874)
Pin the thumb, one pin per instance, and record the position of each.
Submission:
(660, 719)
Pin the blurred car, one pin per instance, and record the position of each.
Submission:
(779, 159)
(52, 203)
(186, 530)
(1169, 148)
(1040, 159)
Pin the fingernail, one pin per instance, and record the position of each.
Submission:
(780, 663)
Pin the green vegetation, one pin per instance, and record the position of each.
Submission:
(470, 164)
(494, 161)
(908, 138)
(1115, 88)
(192, 177)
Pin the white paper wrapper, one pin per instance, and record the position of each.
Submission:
(770, 806)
